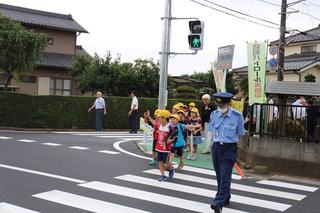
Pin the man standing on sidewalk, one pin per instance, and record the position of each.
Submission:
(226, 127)
(100, 106)
(133, 113)
(205, 117)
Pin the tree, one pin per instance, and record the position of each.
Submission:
(186, 92)
(114, 77)
(20, 48)
(309, 78)
(244, 85)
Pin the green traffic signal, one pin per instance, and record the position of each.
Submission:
(194, 41)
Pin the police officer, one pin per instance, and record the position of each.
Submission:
(225, 126)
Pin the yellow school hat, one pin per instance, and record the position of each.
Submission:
(176, 116)
(192, 104)
(164, 113)
(195, 110)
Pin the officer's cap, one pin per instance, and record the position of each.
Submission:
(223, 98)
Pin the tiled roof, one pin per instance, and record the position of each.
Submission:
(309, 35)
(179, 79)
(56, 60)
(293, 88)
(293, 62)
(41, 18)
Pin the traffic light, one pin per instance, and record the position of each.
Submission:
(196, 35)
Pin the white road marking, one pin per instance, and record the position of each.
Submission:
(27, 141)
(52, 144)
(79, 147)
(109, 152)
(84, 203)
(153, 197)
(207, 172)
(93, 133)
(5, 138)
(42, 173)
(116, 145)
(204, 192)
(106, 134)
(288, 185)
(119, 136)
(9, 208)
(241, 187)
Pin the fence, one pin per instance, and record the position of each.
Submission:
(298, 123)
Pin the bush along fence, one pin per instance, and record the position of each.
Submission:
(61, 112)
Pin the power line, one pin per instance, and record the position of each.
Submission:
(302, 12)
(241, 13)
(239, 17)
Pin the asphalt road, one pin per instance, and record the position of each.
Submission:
(106, 172)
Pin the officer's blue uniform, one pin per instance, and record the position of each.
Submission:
(226, 129)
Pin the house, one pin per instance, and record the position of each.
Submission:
(302, 57)
(51, 77)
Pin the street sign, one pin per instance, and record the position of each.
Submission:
(273, 50)
(273, 64)
(225, 57)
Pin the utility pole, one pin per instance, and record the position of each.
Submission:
(282, 40)
(165, 51)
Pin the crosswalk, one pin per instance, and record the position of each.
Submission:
(191, 190)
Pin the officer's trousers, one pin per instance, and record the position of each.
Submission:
(224, 156)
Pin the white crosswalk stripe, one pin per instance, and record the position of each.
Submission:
(84, 203)
(9, 208)
(288, 185)
(241, 200)
(207, 172)
(204, 192)
(236, 186)
(153, 197)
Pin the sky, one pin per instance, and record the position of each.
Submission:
(133, 28)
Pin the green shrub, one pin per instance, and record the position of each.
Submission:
(60, 112)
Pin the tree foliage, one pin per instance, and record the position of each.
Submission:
(114, 77)
(310, 78)
(20, 48)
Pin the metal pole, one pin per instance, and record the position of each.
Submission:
(165, 50)
(282, 39)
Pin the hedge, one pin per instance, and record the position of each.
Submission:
(61, 112)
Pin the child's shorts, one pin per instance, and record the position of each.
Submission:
(177, 150)
(196, 140)
(162, 157)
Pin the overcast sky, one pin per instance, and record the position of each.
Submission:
(132, 28)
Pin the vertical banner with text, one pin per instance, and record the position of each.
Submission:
(257, 64)
(220, 80)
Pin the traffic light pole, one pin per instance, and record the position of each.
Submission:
(165, 51)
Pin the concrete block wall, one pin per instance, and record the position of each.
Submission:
(283, 156)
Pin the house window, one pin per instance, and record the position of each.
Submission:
(309, 49)
(60, 87)
(28, 78)
(50, 41)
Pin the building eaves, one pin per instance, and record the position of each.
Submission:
(49, 20)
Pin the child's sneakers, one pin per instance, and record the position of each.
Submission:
(194, 157)
(171, 173)
(163, 178)
(153, 163)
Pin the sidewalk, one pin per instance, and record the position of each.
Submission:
(202, 161)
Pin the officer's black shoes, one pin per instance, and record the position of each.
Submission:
(227, 202)
(216, 208)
